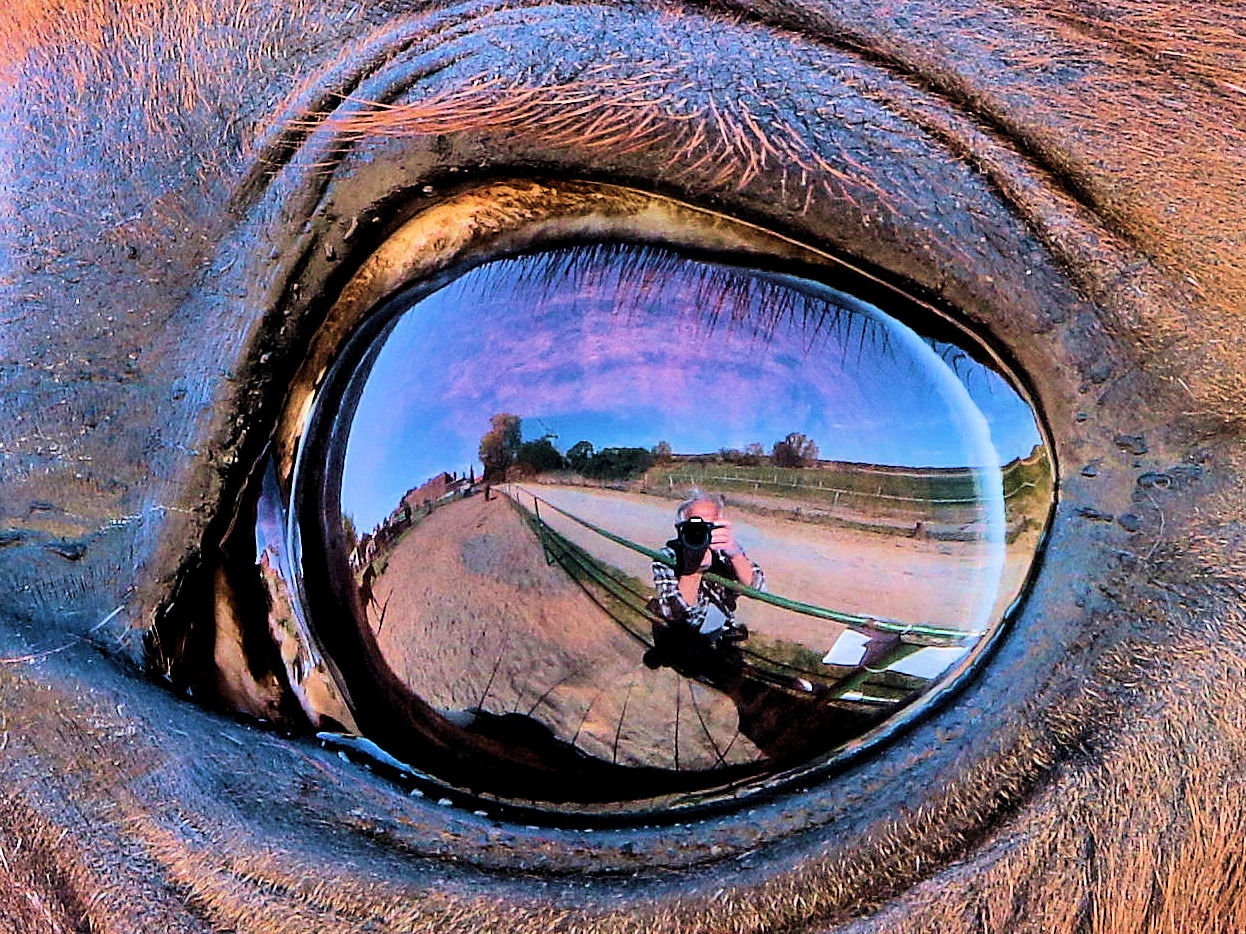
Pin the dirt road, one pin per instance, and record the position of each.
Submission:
(475, 618)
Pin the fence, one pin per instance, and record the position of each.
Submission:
(910, 633)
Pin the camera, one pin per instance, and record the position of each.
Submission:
(695, 532)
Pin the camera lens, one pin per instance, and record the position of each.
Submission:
(695, 533)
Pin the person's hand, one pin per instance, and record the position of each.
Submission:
(722, 538)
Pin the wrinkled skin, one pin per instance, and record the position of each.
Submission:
(1067, 176)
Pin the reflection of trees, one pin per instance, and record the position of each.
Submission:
(579, 455)
(539, 455)
(349, 530)
(609, 463)
(795, 450)
(624, 463)
(503, 447)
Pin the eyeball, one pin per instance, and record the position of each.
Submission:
(611, 528)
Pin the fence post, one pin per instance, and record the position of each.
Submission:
(540, 530)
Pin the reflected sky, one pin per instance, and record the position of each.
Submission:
(629, 346)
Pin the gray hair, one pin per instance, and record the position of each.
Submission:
(697, 495)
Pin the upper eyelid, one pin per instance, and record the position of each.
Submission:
(871, 175)
(606, 106)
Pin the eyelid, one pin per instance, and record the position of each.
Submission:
(851, 159)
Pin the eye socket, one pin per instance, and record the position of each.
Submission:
(486, 548)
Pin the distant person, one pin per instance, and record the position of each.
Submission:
(688, 601)
(366, 582)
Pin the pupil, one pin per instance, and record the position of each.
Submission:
(608, 523)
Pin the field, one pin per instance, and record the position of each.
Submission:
(916, 579)
(935, 503)
(471, 614)
(945, 502)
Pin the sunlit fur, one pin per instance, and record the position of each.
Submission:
(1106, 822)
(1138, 833)
(1152, 45)
(605, 114)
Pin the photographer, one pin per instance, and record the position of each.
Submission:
(704, 542)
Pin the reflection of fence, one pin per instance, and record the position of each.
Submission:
(384, 538)
(915, 634)
(887, 489)
(624, 599)
(833, 492)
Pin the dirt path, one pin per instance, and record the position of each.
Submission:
(475, 618)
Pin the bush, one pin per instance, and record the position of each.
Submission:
(616, 463)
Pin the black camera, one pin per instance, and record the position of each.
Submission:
(695, 533)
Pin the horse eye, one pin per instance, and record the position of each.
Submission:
(586, 505)
(609, 528)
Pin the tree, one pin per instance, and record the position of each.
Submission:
(794, 451)
(540, 455)
(619, 463)
(349, 530)
(579, 456)
(662, 452)
(754, 454)
(500, 445)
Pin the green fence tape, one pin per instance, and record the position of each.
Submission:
(910, 633)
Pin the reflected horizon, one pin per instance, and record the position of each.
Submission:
(602, 356)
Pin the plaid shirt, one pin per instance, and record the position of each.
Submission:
(674, 607)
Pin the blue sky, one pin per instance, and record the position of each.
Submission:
(632, 347)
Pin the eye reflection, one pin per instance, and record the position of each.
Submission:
(606, 523)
